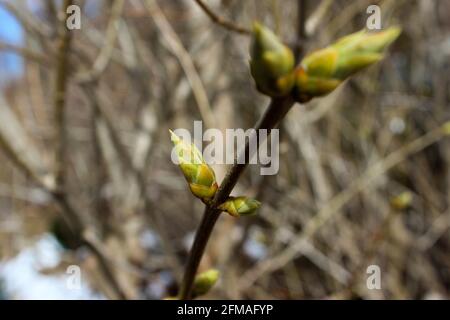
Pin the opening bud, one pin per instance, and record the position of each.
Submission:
(199, 175)
(272, 63)
(240, 206)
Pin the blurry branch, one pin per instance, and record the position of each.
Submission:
(316, 17)
(439, 226)
(177, 48)
(52, 12)
(22, 152)
(105, 121)
(55, 185)
(59, 96)
(301, 21)
(374, 240)
(276, 16)
(27, 159)
(103, 58)
(26, 53)
(334, 269)
(339, 201)
(222, 21)
(27, 20)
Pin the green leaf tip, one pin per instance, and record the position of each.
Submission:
(199, 175)
(240, 206)
(324, 70)
(272, 63)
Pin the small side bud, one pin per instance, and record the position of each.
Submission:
(272, 63)
(199, 175)
(204, 282)
(402, 201)
(240, 206)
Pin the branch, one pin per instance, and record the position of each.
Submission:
(59, 96)
(26, 53)
(178, 50)
(363, 182)
(301, 33)
(102, 60)
(222, 21)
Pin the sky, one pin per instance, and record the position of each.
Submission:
(11, 65)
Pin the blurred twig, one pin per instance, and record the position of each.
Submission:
(222, 21)
(337, 202)
(185, 60)
(26, 53)
(103, 58)
(59, 97)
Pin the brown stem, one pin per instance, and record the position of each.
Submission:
(301, 33)
(276, 111)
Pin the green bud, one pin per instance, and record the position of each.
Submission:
(402, 201)
(199, 175)
(323, 70)
(204, 282)
(446, 128)
(272, 63)
(240, 206)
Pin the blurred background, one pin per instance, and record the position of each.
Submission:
(86, 178)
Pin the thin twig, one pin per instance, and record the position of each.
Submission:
(59, 96)
(276, 111)
(137, 175)
(178, 50)
(338, 202)
(301, 22)
(106, 52)
(26, 53)
(222, 21)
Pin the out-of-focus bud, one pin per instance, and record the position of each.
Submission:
(240, 206)
(204, 282)
(272, 63)
(402, 201)
(322, 71)
(199, 175)
(446, 128)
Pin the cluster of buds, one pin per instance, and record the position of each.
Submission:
(273, 68)
(202, 180)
